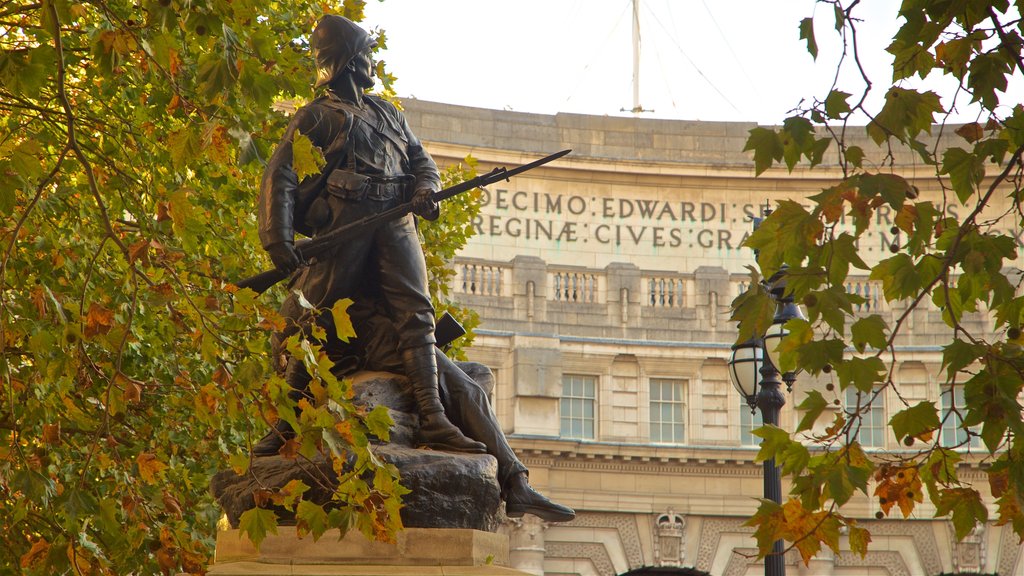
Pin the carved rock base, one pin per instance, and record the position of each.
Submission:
(449, 490)
(419, 552)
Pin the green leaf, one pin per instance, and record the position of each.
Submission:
(836, 106)
(813, 356)
(916, 421)
(379, 422)
(967, 507)
(311, 518)
(807, 33)
(909, 59)
(855, 155)
(859, 539)
(988, 75)
(307, 159)
(899, 277)
(774, 441)
(216, 74)
(812, 407)
(767, 147)
(754, 310)
(257, 523)
(869, 331)
(965, 171)
(184, 146)
(892, 187)
(905, 115)
(958, 355)
(861, 373)
(844, 472)
(832, 305)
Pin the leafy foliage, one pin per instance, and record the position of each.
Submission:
(954, 251)
(132, 137)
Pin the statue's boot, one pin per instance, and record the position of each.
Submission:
(521, 498)
(436, 431)
(296, 377)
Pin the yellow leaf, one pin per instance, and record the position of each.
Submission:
(149, 467)
(342, 321)
(307, 159)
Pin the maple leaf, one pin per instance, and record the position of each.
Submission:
(342, 322)
(149, 467)
(290, 449)
(256, 523)
(37, 553)
(99, 320)
(307, 159)
(51, 433)
(310, 518)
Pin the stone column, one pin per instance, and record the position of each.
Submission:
(530, 287)
(623, 294)
(713, 297)
(526, 544)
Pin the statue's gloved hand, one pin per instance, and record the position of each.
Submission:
(284, 256)
(424, 206)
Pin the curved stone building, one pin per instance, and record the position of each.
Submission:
(603, 282)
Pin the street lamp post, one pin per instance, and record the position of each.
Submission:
(753, 372)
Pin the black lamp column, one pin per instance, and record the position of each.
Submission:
(770, 401)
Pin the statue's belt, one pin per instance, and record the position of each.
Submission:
(350, 185)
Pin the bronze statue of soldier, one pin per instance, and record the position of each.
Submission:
(373, 162)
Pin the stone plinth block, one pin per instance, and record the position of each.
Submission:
(449, 490)
(417, 551)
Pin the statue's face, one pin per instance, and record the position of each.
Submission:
(363, 70)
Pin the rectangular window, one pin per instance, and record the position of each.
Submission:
(953, 433)
(872, 424)
(667, 409)
(577, 406)
(748, 423)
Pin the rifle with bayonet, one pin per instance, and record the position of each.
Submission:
(325, 242)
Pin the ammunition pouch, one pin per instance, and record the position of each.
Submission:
(347, 184)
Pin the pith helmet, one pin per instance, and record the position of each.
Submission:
(335, 41)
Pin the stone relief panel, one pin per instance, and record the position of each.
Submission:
(711, 535)
(743, 558)
(968, 554)
(596, 553)
(920, 533)
(888, 559)
(624, 524)
(1009, 551)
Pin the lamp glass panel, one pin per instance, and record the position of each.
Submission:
(744, 368)
(772, 338)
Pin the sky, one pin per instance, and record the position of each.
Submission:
(722, 60)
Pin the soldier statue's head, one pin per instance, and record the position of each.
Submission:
(340, 46)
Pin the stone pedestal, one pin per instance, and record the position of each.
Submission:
(418, 552)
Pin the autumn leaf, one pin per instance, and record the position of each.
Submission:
(307, 159)
(99, 320)
(36, 554)
(342, 322)
(51, 433)
(150, 468)
(311, 518)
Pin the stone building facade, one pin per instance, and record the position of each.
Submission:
(603, 282)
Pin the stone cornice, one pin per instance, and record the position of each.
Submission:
(698, 460)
